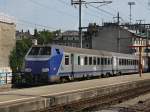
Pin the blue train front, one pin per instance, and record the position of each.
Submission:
(41, 65)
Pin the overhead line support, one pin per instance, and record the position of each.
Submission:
(80, 2)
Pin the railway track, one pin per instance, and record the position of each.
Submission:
(141, 106)
(102, 101)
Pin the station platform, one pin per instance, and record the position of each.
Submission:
(32, 99)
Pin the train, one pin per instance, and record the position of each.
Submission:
(55, 63)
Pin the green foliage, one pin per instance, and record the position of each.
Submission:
(17, 55)
(44, 37)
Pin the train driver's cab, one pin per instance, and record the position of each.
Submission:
(39, 51)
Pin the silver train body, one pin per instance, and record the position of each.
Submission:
(70, 63)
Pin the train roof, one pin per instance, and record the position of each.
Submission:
(88, 51)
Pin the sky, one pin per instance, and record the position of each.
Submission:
(60, 14)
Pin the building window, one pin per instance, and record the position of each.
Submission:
(67, 60)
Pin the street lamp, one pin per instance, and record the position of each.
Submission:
(130, 4)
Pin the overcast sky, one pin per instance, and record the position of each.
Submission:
(60, 14)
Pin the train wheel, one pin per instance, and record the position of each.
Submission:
(118, 74)
(102, 75)
(108, 74)
(63, 80)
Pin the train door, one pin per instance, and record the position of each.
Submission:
(72, 66)
(114, 64)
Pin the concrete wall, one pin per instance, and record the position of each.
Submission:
(106, 39)
(62, 100)
(7, 43)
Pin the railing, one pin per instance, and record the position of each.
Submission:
(5, 78)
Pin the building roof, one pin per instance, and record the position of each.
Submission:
(70, 33)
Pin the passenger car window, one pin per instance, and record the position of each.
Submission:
(79, 60)
(85, 60)
(67, 60)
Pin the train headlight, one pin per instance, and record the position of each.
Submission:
(45, 69)
(28, 69)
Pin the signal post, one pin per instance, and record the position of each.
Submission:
(140, 56)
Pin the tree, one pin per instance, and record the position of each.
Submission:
(36, 35)
(16, 57)
(45, 37)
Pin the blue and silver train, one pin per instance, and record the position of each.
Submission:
(52, 63)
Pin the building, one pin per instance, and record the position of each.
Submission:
(23, 34)
(112, 37)
(71, 38)
(7, 43)
(117, 38)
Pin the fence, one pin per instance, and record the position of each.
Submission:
(5, 78)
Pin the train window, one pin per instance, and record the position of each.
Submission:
(133, 62)
(79, 60)
(45, 51)
(34, 51)
(111, 61)
(85, 60)
(67, 60)
(124, 62)
(57, 50)
(108, 61)
(94, 60)
(90, 60)
(119, 61)
(105, 61)
(102, 61)
(98, 61)
(137, 62)
(129, 62)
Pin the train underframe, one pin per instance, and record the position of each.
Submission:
(24, 79)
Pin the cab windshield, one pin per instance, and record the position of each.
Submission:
(40, 51)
